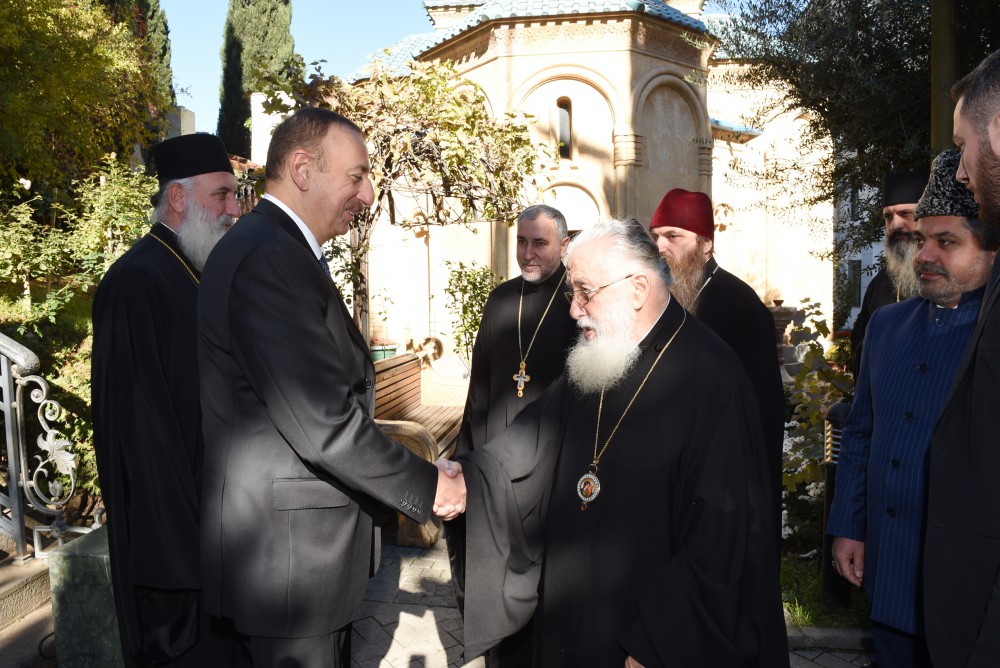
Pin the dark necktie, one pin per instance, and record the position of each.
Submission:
(326, 266)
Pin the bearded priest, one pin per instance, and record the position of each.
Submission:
(628, 507)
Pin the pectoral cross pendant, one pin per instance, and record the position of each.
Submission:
(521, 377)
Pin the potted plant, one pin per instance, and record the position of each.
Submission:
(381, 348)
(379, 343)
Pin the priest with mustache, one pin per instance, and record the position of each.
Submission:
(628, 509)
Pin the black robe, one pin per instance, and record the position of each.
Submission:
(673, 562)
(492, 402)
(732, 309)
(148, 442)
(961, 559)
(880, 292)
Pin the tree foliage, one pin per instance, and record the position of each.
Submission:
(51, 267)
(469, 286)
(257, 51)
(860, 70)
(438, 156)
(74, 85)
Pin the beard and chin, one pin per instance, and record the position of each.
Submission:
(603, 361)
(900, 251)
(688, 274)
(201, 230)
(988, 191)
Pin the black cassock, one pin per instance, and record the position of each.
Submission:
(492, 402)
(673, 562)
(880, 292)
(734, 312)
(147, 437)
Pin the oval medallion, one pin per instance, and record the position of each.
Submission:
(588, 487)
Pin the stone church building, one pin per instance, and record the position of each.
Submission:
(630, 97)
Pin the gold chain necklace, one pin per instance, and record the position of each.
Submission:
(522, 377)
(589, 486)
(179, 258)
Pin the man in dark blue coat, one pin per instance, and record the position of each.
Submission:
(911, 355)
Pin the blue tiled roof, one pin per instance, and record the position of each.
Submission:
(397, 57)
(489, 10)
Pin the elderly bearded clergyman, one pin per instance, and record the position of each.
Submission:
(629, 504)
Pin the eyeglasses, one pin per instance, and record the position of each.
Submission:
(584, 295)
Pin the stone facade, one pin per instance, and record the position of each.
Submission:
(637, 93)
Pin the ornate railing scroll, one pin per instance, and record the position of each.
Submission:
(36, 479)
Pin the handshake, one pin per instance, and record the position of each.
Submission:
(449, 502)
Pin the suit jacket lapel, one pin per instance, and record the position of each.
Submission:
(274, 212)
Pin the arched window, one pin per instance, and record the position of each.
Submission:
(565, 128)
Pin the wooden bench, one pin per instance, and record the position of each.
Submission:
(427, 430)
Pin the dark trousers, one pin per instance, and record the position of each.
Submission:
(176, 632)
(897, 649)
(329, 651)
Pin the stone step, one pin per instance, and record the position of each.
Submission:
(24, 588)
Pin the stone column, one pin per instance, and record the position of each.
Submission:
(705, 145)
(629, 155)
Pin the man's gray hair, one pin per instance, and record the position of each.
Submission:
(552, 213)
(160, 204)
(630, 242)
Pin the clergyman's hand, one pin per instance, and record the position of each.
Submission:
(450, 468)
(449, 502)
(849, 559)
(630, 662)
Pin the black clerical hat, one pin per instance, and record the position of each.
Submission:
(904, 187)
(190, 155)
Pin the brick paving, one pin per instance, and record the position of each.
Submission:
(409, 619)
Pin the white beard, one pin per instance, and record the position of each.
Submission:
(603, 361)
(200, 232)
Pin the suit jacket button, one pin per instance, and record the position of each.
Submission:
(895, 463)
(921, 368)
(890, 512)
(368, 384)
(908, 416)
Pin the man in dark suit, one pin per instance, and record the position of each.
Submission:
(962, 545)
(683, 227)
(295, 466)
(911, 355)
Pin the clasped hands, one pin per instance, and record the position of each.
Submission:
(449, 501)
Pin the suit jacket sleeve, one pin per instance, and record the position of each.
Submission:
(290, 337)
(847, 513)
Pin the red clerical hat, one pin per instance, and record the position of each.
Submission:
(687, 210)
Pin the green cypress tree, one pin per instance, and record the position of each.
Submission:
(158, 37)
(257, 49)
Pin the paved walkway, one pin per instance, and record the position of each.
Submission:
(409, 619)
